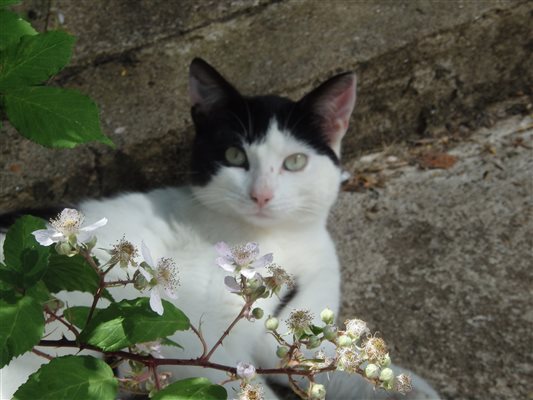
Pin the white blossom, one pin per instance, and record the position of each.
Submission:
(241, 259)
(162, 278)
(66, 227)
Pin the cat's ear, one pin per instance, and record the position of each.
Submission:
(333, 102)
(207, 88)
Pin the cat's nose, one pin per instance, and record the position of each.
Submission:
(261, 197)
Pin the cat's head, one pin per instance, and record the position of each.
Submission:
(267, 159)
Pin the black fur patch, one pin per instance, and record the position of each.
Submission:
(228, 119)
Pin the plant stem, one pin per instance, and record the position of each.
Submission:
(70, 327)
(226, 332)
(202, 340)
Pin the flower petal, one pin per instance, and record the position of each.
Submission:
(232, 285)
(170, 292)
(46, 237)
(84, 237)
(155, 301)
(249, 273)
(263, 261)
(223, 249)
(145, 251)
(96, 225)
(145, 273)
(225, 264)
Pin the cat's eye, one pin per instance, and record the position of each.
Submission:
(295, 162)
(235, 156)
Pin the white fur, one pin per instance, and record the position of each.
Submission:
(185, 223)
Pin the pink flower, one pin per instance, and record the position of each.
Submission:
(241, 259)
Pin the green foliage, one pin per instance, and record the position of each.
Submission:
(70, 378)
(192, 389)
(39, 113)
(13, 28)
(26, 261)
(50, 116)
(127, 323)
(21, 327)
(34, 59)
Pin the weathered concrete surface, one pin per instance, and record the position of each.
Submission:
(439, 261)
(419, 66)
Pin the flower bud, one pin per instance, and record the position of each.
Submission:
(245, 371)
(317, 391)
(66, 249)
(330, 332)
(372, 371)
(344, 341)
(386, 375)
(313, 342)
(282, 351)
(139, 281)
(272, 323)
(327, 316)
(386, 361)
(257, 313)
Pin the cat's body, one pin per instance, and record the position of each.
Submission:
(265, 170)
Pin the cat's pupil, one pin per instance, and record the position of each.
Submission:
(235, 156)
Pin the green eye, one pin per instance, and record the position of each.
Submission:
(295, 162)
(235, 156)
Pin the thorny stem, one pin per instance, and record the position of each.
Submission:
(70, 327)
(42, 354)
(202, 340)
(200, 362)
(295, 388)
(119, 283)
(153, 369)
(226, 332)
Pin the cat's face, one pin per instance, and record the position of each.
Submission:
(267, 160)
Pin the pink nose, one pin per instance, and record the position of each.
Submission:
(261, 197)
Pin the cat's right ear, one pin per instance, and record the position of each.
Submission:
(207, 88)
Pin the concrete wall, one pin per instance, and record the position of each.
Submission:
(423, 67)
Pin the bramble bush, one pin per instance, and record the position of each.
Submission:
(42, 258)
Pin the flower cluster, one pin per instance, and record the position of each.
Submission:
(248, 279)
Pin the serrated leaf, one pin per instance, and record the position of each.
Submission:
(192, 389)
(26, 260)
(70, 378)
(34, 59)
(54, 117)
(130, 322)
(77, 315)
(72, 274)
(21, 326)
(13, 28)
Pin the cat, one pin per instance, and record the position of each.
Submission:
(264, 169)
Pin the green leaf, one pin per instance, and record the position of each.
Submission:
(129, 322)
(192, 389)
(54, 117)
(26, 260)
(34, 59)
(70, 378)
(13, 28)
(71, 274)
(6, 3)
(77, 315)
(21, 326)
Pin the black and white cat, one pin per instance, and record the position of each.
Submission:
(264, 169)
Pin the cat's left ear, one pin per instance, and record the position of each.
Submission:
(333, 102)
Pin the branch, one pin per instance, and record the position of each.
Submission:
(226, 332)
